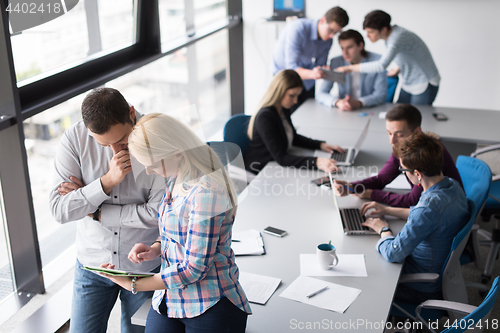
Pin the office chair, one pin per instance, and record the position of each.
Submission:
(491, 156)
(476, 178)
(452, 282)
(235, 131)
(392, 83)
(476, 317)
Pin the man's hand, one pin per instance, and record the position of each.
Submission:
(339, 188)
(348, 104)
(142, 252)
(344, 69)
(317, 73)
(67, 187)
(326, 164)
(119, 167)
(330, 148)
(366, 194)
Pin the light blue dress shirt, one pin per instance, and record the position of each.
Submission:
(300, 46)
(426, 238)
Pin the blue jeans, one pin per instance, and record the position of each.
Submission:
(223, 317)
(425, 98)
(93, 298)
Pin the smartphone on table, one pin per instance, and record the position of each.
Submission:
(322, 181)
(275, 231)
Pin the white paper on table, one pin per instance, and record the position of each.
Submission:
(249, 243)
(336, 298)
(349, 265)
(258, 288)
(399, 183)
(381, 115)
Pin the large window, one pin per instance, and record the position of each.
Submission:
(92, 28)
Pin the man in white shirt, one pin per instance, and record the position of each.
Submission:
(94, 186)
(359, 89)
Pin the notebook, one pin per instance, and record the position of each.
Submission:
(351, 218)
(285, 8)
(347, 158)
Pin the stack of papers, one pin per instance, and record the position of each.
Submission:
(248, 242)
(349, 265)
(258, 288)
(335, 298)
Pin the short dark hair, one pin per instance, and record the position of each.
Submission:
(406, 112)
(338, 15)
(356, 36)
(103, 108)
(421, 151)
(377, 19)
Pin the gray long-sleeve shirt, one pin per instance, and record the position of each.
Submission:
(129, 215)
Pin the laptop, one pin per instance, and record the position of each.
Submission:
(347, 158)
(351, 217)
(285, 8)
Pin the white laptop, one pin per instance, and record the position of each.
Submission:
(347, 158)
(351, 217)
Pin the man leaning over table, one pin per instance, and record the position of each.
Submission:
(304, 45)
(401, 121)
(94, 186)
(359, 89)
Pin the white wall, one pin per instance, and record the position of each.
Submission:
(462, 35)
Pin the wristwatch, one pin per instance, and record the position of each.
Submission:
(384, 229)
(95, 216)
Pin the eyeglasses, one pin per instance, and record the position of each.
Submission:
(403, 170)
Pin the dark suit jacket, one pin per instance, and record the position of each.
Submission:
(269, 143)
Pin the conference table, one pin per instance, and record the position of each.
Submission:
(286, 199)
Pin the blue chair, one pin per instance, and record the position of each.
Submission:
(476, 317)
(235, 131)
(476, 178)
(452, 282)
(392, 83)
(491, 155)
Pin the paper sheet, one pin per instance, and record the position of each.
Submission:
(399, 183)
(349, 265)
(336, 298)
(382, 114)
(258, 288)
(250, 243)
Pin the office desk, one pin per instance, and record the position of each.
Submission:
(463, 125)
(285, 198)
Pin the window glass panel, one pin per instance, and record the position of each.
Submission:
(172, 19)
(193, 75)
(43, 133)
(6, 282)
(207, 11)
(74, 37)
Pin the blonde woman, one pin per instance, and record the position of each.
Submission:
(272, 134)
(197, 288)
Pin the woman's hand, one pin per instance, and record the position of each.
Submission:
(343, 69)
(142, 252)
(123, 281)
(330, 148)
(375, 224)
(326, 164)
(379, 211)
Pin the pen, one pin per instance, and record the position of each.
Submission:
(350, 189)
(235, 240)
(364, 114)
(317, 292)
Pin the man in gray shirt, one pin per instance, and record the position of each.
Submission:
(94, 186)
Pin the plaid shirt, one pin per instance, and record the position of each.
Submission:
(198, 266)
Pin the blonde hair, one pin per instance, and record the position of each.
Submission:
(157, 136)
(282, 81)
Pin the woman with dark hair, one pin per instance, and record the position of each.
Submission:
(425, 241)
(272, 134)
(419, 74)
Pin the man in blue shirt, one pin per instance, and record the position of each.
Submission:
(358, 90)
(304, 45)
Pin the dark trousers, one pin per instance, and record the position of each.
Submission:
(305, 94)
(223, 317)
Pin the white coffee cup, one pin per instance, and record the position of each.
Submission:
(327, 256)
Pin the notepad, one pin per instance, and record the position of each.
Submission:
(116, 272)
(336, 298)
(258, 288)
(248, 242)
